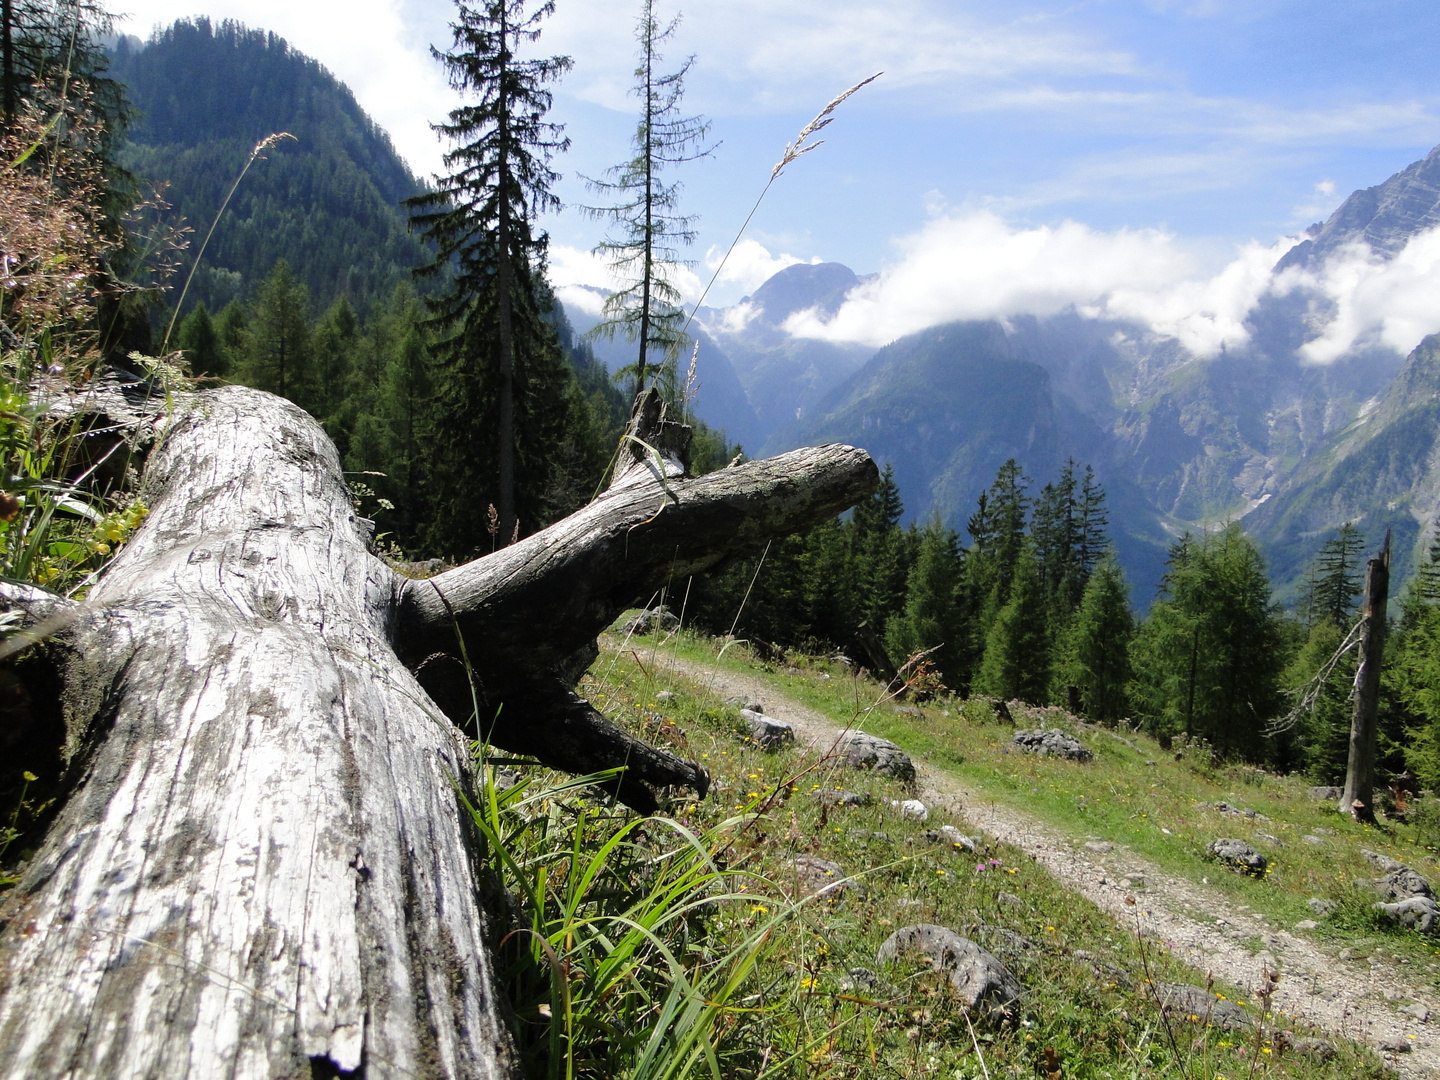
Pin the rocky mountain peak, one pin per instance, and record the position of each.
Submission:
(1385, 216)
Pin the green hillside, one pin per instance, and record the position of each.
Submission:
(327, 203)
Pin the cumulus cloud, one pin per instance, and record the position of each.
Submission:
(749, 265)
(1376, 302)
(975, 265)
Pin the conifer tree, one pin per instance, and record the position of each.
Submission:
(649, 229)
(1094, 521)
(879, 555)
(1096, 649)
(495, 342)
(334, 344)
(1057, 527)
(1017, 662)
(932, 618)
(1337, 578)
(277, 348)
(997, 531)
(200, 342)
(1208, 657)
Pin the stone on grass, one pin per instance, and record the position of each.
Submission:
(1005, 942)
(1403, 883)
(911, 809)
(866, 981)
(1307, 924)
(980, 980)
(1318, 841)
(770, 733)
(1384, 863)
(831, 797)
(862, 751)
(1008, 899)
(949, 834)
(1418, 913)
(1328, 793)
(1319, 1049)
(647, 622)
(1099, 847)
(1052, 742)
(1237, 855)
(1225, 808)
(1182, 1001)
(821, 877)
(1321, 906)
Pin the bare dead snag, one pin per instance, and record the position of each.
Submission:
(1358, 795)
(260, 866)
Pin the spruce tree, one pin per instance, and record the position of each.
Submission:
(1337, 578)
(1017, 661)
(277, 354)
(1094, 524)
(495, 344)
(649, 229)
(880, 555)
(1096, 649)
(1055, 525)
(997, 532)
(200, 342)
(334, 344)
(932, 618)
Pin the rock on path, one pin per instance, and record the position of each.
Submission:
(1195, 923)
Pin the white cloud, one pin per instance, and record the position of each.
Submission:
(572, 266)
(775, 53)
(1389, 303)
(1201, 313)
(975, 266)
(749, 265)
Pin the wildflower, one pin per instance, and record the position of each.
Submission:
(808, 984)
(759, 909)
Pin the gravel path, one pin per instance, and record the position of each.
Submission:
(1191, 921)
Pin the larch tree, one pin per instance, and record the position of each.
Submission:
(481, 221)
(649, 231)
(1208, 658)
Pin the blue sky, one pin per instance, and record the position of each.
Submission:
(1181, 129)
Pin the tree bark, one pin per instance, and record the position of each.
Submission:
(261, 866)
(1358, 796)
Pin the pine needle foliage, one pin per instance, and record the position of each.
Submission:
(480, 219)
(649, 231)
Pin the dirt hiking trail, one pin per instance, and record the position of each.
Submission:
(1192, 922)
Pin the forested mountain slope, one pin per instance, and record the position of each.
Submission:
(327, 202)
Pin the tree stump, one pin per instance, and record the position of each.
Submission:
(260, 865)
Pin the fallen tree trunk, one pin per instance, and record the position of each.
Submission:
(260, 866)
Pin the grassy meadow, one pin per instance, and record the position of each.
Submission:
(757, 978)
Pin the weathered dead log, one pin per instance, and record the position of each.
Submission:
(260, 867)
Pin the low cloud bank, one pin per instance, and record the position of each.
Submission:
(977, 266)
